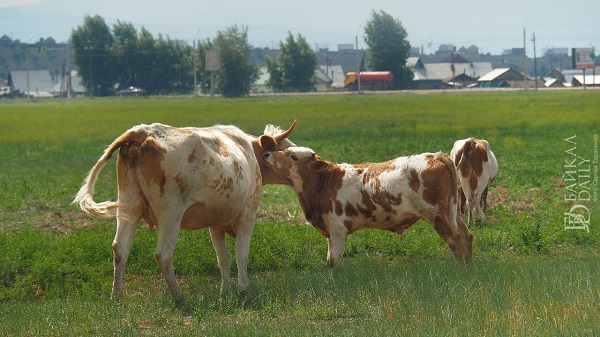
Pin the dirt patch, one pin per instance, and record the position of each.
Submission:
(278, 215)
(499, 195)
(64, 223)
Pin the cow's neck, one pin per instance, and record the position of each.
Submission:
(318, 193)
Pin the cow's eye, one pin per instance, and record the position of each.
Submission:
(294, 157)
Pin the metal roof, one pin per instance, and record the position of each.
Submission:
(443, 71)
(589, 79)
(40, 82)
(493, 74)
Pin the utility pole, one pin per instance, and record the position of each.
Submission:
(534, 63)
(593, 57)
(524, 55)
(69, 86)
(195, 64)
(195, 76)
(27, 65)
(358, 61)
(89, 49)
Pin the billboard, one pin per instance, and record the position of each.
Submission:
(584, 58)
(212, 60)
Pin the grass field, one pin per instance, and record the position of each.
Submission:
(530, 276)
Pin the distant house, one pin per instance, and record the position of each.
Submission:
(322, 80)
(260, 86)
(591, 80)
(507, 78)
(72, 83)
(445, 49)
(472, 50)
(499, 78)
(346, 47)
(557, 52)
(40, 82)
(554, 83)
(326, 78)
(572, 78)
(335, 74)
(513, 52)
(456, 73)
(556, 74)
(555, 80)
(50, 42)
(5, 40)
(459, 81)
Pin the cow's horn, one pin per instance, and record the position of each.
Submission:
(286, 133)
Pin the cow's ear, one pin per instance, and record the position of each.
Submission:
(267, 143)
(318, 165)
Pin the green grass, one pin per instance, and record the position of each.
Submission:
(529, 276)
(362, 297)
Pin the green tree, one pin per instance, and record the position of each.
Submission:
(146, 59)
(172, 71)
(237, 74)
(91, 44)
(125, 52)
(388, 48)
(294, 68)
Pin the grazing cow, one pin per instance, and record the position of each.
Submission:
(477, 167)
(185, 178)
(339, 199)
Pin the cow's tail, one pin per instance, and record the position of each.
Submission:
(453, 195)
(466, 150)
(85, 196)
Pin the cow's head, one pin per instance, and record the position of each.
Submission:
(273, 139)
(295, 164)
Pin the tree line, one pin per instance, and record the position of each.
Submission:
(112, 58)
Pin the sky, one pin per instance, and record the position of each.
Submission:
(493, 26)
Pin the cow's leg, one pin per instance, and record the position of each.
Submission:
(168, 232)
(329, 251)
(484, 199)
(449, 233)
(479, 204)
(242, 249)
(469, 210)
(217, 236)
(479, 209)
(127, 221)
(336, 243)
(462, 201)
(471, 198)
(466, 240)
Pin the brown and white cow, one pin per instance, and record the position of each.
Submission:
(185, 178)
(339, 199)
(477, 167)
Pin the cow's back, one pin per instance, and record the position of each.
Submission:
(392, 194)
(211, 172)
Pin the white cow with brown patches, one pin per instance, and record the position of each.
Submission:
(185, 178)
(477, 167)
(339, 199)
